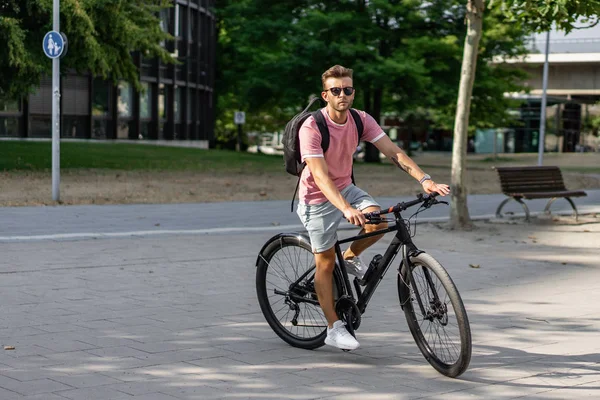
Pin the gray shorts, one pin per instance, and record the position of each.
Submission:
(322, 220)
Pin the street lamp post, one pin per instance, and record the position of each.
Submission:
(542, 139)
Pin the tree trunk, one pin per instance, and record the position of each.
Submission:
(459, 212)
(371, 152)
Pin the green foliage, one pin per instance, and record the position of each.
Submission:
(406, 55)
(102, 35)
(540, 16)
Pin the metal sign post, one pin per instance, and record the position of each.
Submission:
(542, 138)
(239, 118)
(54, 47)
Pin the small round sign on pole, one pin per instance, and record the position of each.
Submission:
(54, 44)
(239, 117)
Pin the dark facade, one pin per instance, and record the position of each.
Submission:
(176, 103)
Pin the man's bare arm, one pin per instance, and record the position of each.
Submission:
(399, 157)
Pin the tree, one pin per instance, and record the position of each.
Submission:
(459, 213)
(536, 16)
(406, 57)
(102, 35)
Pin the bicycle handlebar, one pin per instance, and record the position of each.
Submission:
(421, 198)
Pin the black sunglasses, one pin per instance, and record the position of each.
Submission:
(336, 91)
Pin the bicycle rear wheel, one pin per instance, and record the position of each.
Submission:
(441, 328)
(286, 293)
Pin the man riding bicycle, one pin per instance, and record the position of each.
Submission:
(327, 193)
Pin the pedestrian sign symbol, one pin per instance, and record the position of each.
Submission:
(239, 117)
(53, 44)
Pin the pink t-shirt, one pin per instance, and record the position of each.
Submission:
(343, 140)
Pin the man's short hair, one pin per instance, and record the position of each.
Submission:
(337, 71)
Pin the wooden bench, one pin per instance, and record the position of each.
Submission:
(534, 183)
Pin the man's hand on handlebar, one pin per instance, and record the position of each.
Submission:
(430, 186)
(354, 216)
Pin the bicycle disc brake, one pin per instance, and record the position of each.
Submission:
(348, 312)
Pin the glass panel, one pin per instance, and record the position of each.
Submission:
(75, 127)
(177, 104)
(144, 130)
(192, 131)
(180, 73)
(40, 126)
(193, 26)
(179, 132)
(123, 129)
(163, 101)
(101, 98)
(165, 20)
(180, 13)
(125, 100)
(100, 129)
(146, 101)
(9, 105)
(189, 100)
(9, 126)
(148, 67)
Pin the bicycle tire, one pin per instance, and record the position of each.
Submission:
(450, 362)
(291, 253)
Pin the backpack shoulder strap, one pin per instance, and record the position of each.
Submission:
(358, 121)
(322, 125)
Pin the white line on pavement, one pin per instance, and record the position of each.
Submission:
(239, 229)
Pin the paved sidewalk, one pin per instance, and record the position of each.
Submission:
(32, 223)
(176, 317)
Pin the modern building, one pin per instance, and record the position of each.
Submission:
(573, 92)
(176, 102)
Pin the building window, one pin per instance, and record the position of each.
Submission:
(146, 101)
(11, 106)
(177, 105)
(9, 126)
(165, 20)
(101, 98)
(40, 126)
(74, 126)
(125, 100)
(163, 101)
(100, 129)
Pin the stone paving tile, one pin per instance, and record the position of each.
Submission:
(37, 386)
(86, 380)
(94, 393)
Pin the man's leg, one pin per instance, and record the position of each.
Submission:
(358, 246)
(337, 334)
(324, 283)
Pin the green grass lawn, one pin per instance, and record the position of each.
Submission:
(37, 156)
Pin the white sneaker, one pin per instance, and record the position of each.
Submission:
(356, 267)
(339, 337)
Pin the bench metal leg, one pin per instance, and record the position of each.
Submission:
(499, 209)
(547, 209)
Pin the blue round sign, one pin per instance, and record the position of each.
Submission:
(53, 44)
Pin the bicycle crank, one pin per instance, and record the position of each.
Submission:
(348, 312)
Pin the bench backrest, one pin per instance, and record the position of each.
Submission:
(531, 179)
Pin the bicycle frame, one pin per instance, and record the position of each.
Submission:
(402, 240)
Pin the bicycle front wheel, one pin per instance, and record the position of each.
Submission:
(436, 315)
(286, 292)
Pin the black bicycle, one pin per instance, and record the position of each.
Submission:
(432, 305)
